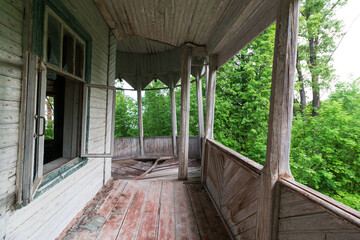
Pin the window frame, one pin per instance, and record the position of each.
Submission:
(35, 68)
(85, 116)
(77, 38)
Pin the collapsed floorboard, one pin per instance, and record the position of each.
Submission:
(166, 169)
(135, 209)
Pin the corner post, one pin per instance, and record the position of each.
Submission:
(173, 117)
(210, 110)
(200, 106)
(140, 119)
(280, 119)
(185, 112)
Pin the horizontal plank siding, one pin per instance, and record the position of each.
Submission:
(128, 147)
(35, 219)
(48, 214)
(11, 27)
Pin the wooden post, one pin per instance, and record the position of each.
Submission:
(206, 80)
(210, 110)
(185, 112)
(140, 118)
(280, 118)
(173, 117)
(200, 106)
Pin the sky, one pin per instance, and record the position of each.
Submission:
(346, 59)
(347, 56)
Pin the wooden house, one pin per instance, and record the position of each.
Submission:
(59, 60)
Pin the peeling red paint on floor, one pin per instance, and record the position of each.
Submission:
(157, 207)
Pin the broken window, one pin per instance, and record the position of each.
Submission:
(66, 119)
(53, 41)
(64, 50)
(68, 52)
(79, 57)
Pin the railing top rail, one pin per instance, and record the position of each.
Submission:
(244, 161)
(153, 137)
(341, 210)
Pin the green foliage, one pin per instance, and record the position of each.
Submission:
(319, 28)
(157, 111)
(243, 88)
(49, 129)
(193, 119)
(325, 152)
(126, 124)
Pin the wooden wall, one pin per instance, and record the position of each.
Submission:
(153, 146)
(126, 148)
(307, 214)
(232, 181)
(47, 215)
(11, 53)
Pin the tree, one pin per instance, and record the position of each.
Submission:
(243, 87)
(325, 150)
(318, 32)
(125, 116)
(157, 111)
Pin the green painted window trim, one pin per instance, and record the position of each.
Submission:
(60, 174)
(37, 48)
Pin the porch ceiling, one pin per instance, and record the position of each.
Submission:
(223, 27)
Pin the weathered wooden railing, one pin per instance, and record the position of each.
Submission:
(129, 147)
(233, 182)
(308, 214)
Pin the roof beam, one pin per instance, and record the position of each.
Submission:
(256, 16)
(105, 12)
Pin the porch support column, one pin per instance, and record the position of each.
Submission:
(185, 112)
(200, 106)
(210, 110)
(173, 117)
(206, 80)
(140, 118)
(280, 118)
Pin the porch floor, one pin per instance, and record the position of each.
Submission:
(149, 209)
(166, 169)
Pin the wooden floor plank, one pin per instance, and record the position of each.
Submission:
(167, 213)
(112, 225)
(185, 221)
(155, 207)
(218, 229)
(202, 223)
(130, 227)
(150, 220)
(111, 198)
(91, 216)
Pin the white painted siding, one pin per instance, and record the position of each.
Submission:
(11, 23)
(50, 213)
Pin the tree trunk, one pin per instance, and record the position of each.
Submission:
(313, 42)
(302, 89)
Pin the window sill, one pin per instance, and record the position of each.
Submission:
(54, 165)
(55, 176)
